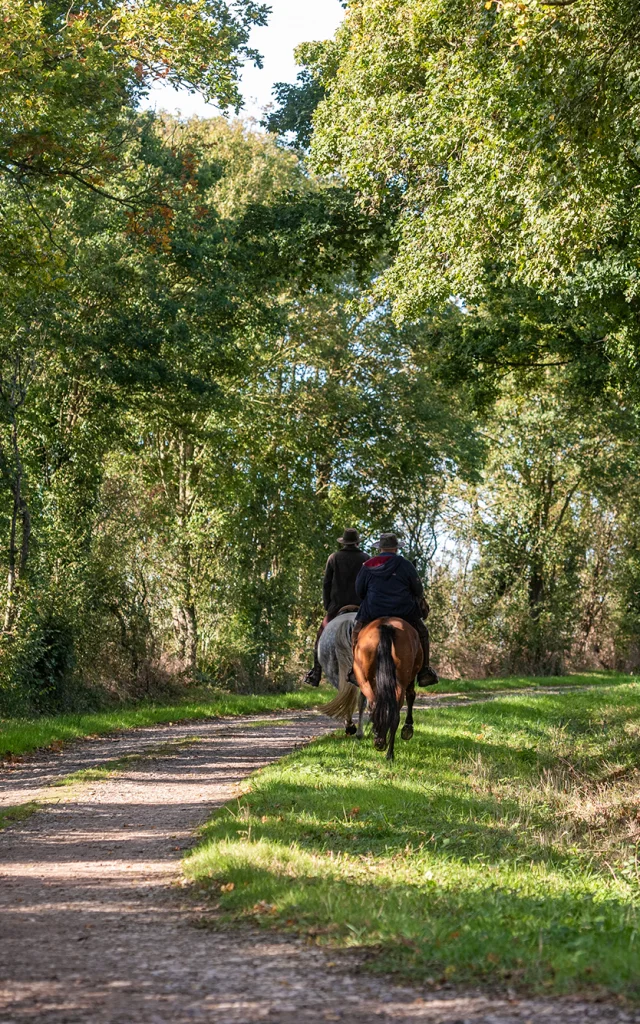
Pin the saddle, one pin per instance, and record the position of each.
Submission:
(349, 608)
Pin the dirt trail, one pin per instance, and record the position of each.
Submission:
(96, 929)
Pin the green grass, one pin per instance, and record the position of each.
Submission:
(472, 686)
(501, 848)
(9, 815)
(21, 736)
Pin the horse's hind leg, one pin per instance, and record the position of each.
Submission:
(407, 732)
(349, 727)
(361, 709)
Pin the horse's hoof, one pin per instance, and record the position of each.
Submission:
(407, 732)
(379, 744)
(351, 730)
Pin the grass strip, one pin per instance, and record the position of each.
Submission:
(482, 686)
(21, 736)
(105, 771)
(10, 815)
(500, 849)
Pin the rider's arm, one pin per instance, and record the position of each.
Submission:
(415, 583)
(328, 583)
(361, 584)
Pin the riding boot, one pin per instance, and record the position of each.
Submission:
(357, 629)
(426, 676)
(314, 675)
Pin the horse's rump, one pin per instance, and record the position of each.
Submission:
(386, 712)
(387, 660)
(336, 658)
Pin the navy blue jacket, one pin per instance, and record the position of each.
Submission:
(388, 585)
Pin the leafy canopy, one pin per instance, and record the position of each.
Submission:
(68, 70)
(506, 134)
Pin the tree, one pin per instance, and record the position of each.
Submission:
(292, 119)
(506, 136)
(547, 528)
(69, 73)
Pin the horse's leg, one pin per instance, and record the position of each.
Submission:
(349, 727)
(407, 732)
(360, 717)
(392, 735)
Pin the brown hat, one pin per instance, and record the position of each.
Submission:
(349, 537)
(388, 540)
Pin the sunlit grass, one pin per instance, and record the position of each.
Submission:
(21, 736)
(500, 847)
(529, 682)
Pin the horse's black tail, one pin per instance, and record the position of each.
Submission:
(386, 713)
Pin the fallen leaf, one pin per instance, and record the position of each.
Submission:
(262, 907)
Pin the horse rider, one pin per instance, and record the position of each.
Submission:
(339, 589)
(388, 586)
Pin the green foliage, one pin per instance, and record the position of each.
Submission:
(532, 580)
(295, 107)
(213, 359)
(506, 134)
(496, 849)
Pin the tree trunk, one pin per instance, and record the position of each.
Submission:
(536, 590)
(9, 614)
(187, 615)
(19, 515)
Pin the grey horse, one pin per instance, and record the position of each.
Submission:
(336, 658)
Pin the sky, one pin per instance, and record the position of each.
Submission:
(291, 22)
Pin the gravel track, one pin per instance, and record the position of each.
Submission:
(96, 927)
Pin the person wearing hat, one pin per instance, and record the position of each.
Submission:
(388, 586)
(339, 589)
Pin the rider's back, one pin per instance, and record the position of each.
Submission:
(340, 578)
(388, 585)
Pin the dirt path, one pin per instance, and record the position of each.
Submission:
(96, 928)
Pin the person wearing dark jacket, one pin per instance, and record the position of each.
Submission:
(388, 586)
(339, 589)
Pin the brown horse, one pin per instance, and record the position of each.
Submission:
(386, 662)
